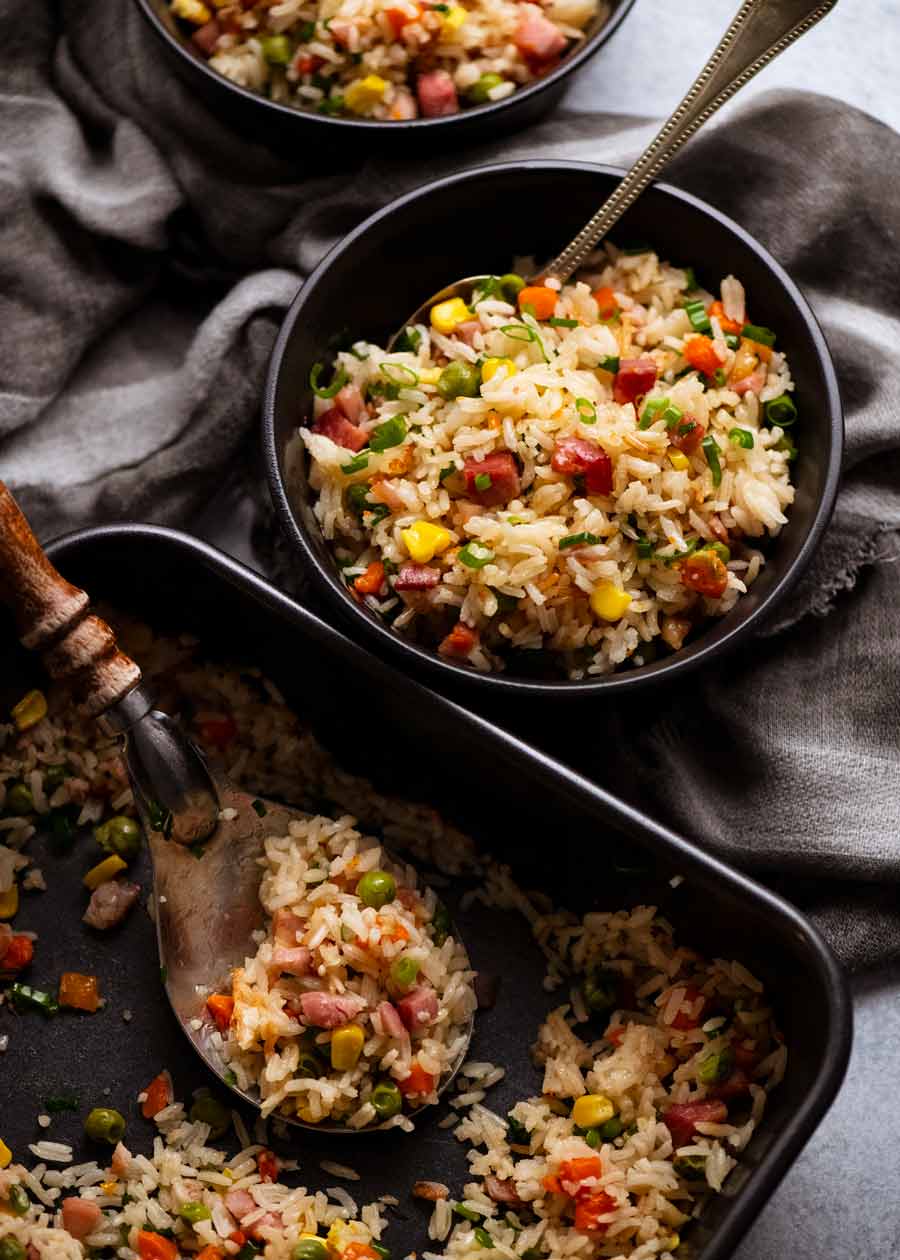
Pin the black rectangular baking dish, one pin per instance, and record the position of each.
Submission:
(558, 831)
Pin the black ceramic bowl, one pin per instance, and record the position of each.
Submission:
(269, 122)
(390, 264)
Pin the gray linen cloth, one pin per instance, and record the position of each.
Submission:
(146, 258)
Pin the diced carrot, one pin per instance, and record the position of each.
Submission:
(370, 582)
(701, 354)
(606, 302)
(78, 991)
(152, 1246)
(761, 351)
(615, 1035)
(460, 640)
(359, 1251)
(717, 310)
(238, 1237)
(307, 63)
(551, 1184)
(399, 18)
(210, 1253)
(580, 1168)
(540, 298)
(221, 1007)
(19, 953)
(158, 1095)
(267, 1165)
(418, 1082)
(590, 1206)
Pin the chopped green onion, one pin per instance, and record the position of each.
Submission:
(671, 416)
(554, 322)
(787, 443)
(194, 1212)
(516, 1133)
(410, 339)
(307, 32)
(690, 279)
(390, 433)
(644, 548)
(587, 412)
(467, 1213)
(732, 341)
(399, 374)
(357, 463)
(482, 1237)
(690, 1167)
(578, 540)
(483, 481)
(447, 472)
(741, 437)
(260, 808)
(723, 552)
(331, 105)
(522, 332)
(356, 497)
(372, 515)
(711, 448)
(755, 332)
(60, 1102)
(651, 411)
(781, 411)
(475, 555)
(249, 1250)
(610, 364)
(719, 378)
(229, 1077)
(276, 49)
(696, 313)
(383, 1252)
(338, 381)
(25, 998)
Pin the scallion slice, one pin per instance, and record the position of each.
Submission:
(690, 279)
(653, 408)
(447, 472)
(554, 322)
(741, 437)
(523, 332)
(671, 416)
(410, 339)
(338, 381)
(732, 341)
(711, 447)
(399, 374)
(587, 412)
(610, 364)
(756, 332)
(475, 555)
(578, 540)
(781, 411)
(719, 378)
(357, 463)
(696, 313)
(390, 433)
(644, 548)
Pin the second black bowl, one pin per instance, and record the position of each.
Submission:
(477, 222)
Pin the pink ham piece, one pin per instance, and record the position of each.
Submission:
(419, 1008)
(403, 106)
(207, 36)
(752, 383)
(574, 456)
(330, 1010)
(32, 1253)
(466, 331)
(436, 93)
(416, 577)
(536, 38)
(391, 1022)
(503, 472)
(351, 403)
(738, 1083)
(121, 1158)
(501, 1191)
(80, 1217)
(110, 903)
(240, 1203)
(335, 425)
(294, 961)
(271, 1220)
(634, 378)
(286, 925)
(682, 1118)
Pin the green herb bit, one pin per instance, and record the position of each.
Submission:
(578, 540)
(610, 364)
(399, 374)
(410, 340)
(260, 808)
(719, 378)
(441, 923)
(482, 1237)
(781, 411)
(483, 481)
(644, 548)
(447, 472)
(524, 332)
(389, 433)
(690, 279)
(468, 1214)
(671, 416)
(475, 555)
(356, 464)
(741, 437)
(331, 105)
(229, 1077)
(653, 408)
(194, 1212)
(516, 1133)
(306, 32)
(696, 313)
(383, 1252)
(276, 49)
(756, 332)
(25, 998)
(587, 412)
(787, 444)
(554, 322)
(710, 446)
(732, 341)
(60, 1102)
(690, 1167)
(372, 516)
(338, 381)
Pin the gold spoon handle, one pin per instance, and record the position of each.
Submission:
(52, 617)
(759, 32)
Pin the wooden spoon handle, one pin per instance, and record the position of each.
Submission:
(52, 617)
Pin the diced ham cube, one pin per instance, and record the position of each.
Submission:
(738, 1083)
(80, 1216)
(294, 961)
(682, 1118)
(687, 435)
(110, 903)
(634, 378)
(416, 577)
(207, 36)
(286, 925)
(467, 329)
(351, 403)
(536, 38)
(501, 1191)
(240, 1203)
(403, 106)
(575, 456)
(503, 471)
(335, 425)
(752, 383)
(271, 1220)
(391, 1023)
(419, 1008)
(330, 1010)
(436, 93)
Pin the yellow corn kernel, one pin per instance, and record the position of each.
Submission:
(9, 902)
(592, 1110)
(452, 21)
(679, 460)
(362, 94)
(30, 709)
(109, 1187)
(671, 1242)
(491, 367)
(346, 1047)
(5, 1155)
(609, 601)
(446, 315)
(424, 541)
(104, 871)
(429, 376)
(193, 11)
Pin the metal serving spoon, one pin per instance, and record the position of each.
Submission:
(181, 800)
(760, 30)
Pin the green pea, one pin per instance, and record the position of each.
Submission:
(612, 1129)
(404, 971)
(310, 1249)
(208, 1110)
(194, 1212)
(105, 1124)
(512, 285)
(386, 1099)
(18, 1201)
(459, 380)
(716, 1067)
(11, 1249)
(690, 1167)
(309, 1064)
(276, 49)
(19, 800)
(601, 990)
(441, 924)
(54, 776)
(480, 92)
(120, 835)
(376, 889)
(592, 1138)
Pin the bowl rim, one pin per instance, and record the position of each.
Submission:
(405, 127)
(684, 661)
